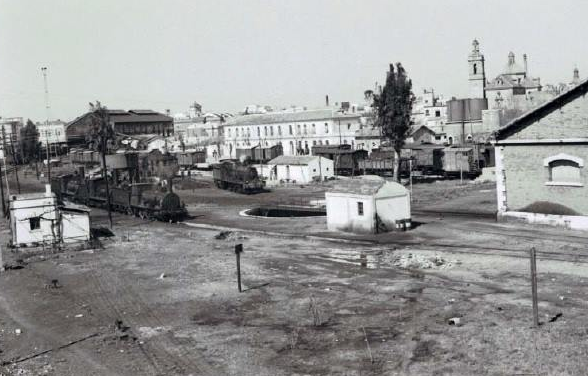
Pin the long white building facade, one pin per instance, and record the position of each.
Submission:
(296, 131)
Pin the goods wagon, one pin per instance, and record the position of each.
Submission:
(258, 154)
(346, 160)
(459, 161)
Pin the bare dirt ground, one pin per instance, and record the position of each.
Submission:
(314, 302)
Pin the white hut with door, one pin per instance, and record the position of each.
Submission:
(367, 205)
(301, 169)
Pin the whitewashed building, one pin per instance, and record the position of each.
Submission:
(297, 131)
(35, 220)
(367, 205)
(300, 169)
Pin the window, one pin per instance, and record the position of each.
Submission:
(304, 128)
(326, 128)
(426, 112)
(297, 128)
(313, 130)
(360, 208)
(258, 132)
(265, 130)
(326, 142)
(475, 69)
(313, 143)
(564, 169)
(437, 113)
(35, 223)
(290, 128)
(348, 126)
(279, 130)
(272, 130)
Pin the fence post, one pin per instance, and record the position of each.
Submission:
(533, 256)
(238, 251)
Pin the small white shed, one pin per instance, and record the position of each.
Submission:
(367, 205)
(34, 218)
(302, 169)
(75, 223)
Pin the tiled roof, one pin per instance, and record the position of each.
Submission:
(288, 117)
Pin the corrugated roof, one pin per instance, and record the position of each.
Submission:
(299, 160)
(288, 117)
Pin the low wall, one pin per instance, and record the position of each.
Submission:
(572, 222)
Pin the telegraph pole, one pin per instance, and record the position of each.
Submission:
(14, 162)
(2, 188)
(48, 158)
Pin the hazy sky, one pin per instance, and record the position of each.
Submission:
(162, 54)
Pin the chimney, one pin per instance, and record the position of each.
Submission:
(525, 60)
(167, 111)
(47, 190)
(327, 100)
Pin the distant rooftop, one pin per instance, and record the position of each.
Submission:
(289, 117)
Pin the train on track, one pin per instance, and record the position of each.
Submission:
(424, 160)
(236, 176)
(145, 200)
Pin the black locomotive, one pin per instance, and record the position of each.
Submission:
(237, 177)
(144, 200)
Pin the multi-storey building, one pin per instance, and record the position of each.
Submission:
(296, 131)
(52, 132)
(10, 132)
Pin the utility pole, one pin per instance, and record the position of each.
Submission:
(2, 188)
(44, 71)
(48, 158)
(14, 162)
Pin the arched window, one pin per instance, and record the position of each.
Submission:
(291, 146)
(271, 130)
(326, 128)
(258, 132)
(265, 130)
(304, 128)
(279, 130)
(469, 138)
(475, 68)
(564, 169)
(290, 128)
(450, 140)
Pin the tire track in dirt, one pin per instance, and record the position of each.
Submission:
(157, 350)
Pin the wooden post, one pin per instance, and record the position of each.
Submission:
(1, 260)
(533, 256)
(238, 251)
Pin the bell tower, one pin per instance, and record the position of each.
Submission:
(477, 75)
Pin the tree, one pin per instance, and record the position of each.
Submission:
(393, 107)
(99, 137)
(30, 145)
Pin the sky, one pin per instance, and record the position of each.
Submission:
(154, 54)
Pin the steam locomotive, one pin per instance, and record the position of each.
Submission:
(144, 200)
(237, 177)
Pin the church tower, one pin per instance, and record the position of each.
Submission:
(477, 76)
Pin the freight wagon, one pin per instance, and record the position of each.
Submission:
(346, 160)
(459, 161)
